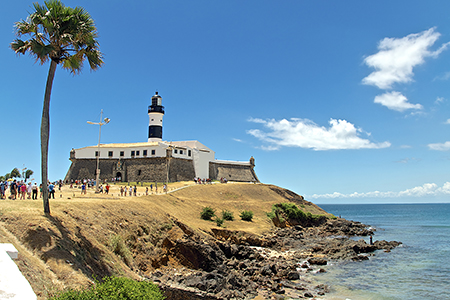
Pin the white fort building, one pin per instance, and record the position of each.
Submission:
(156, 160)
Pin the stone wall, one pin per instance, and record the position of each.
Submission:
(232, 172)
(135, 169)
(153, 169)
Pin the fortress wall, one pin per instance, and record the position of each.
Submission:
(181, 169)
(137, 169)
(232, 172)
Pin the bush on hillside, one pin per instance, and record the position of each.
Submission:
(115, 288)
(246, 215)
(118, 246)
(207, 213)
(219, 222)
(227, 215)
(283, 212)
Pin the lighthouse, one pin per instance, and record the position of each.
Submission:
(155, 114)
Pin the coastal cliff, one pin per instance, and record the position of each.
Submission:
(163, 238)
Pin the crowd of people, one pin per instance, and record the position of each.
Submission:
(21, 190)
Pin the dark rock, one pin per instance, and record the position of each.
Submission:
(317, 261)
(360, 258)
(293, 275)
(280, 292)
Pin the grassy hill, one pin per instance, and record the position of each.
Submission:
(99, 235)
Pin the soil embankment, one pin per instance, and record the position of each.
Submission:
(161, 237)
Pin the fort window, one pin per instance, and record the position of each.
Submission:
(132, 153)
(153, 152)
(96, 153)
(122, 153)
(189, 153)
(110, 154)
(144, 152)
(175, 151)
(181, 151)
(139, 172)
(137, 153)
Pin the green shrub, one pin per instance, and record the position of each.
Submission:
(219, 222)
(227, 215)
(207, 213)
(290, 211)
(115, 288)
(246, 215)
(118, 246)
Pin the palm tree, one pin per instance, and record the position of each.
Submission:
(65, 36)
(28, 174)
(15, 173)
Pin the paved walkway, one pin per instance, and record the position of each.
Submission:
(13, 285)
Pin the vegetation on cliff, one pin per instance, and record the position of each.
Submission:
(94, 236)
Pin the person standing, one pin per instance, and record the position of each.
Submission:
(51, 191)
(107, 189)
(135, 191)
(29, 190)
(23, 190)
(2, 190)
(13, 190)
(34, 190)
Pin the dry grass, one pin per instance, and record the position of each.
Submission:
(67, 248)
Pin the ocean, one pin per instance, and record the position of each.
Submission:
(418, 269)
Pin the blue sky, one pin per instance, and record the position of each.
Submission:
(339, 101)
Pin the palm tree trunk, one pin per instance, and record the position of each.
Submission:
(45, 133)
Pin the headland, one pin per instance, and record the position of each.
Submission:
(161, 237)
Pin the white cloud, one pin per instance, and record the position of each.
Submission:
(439, 100)
(428, 189)
(407, 160)
(446, 76)
(304, 133)
(397, 57)
(440, 147)
(396, 101)
(447, 122)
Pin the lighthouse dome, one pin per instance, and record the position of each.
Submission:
(156, 100)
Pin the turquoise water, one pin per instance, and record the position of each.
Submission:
(419, 269)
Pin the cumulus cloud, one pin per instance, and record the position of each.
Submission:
(397, 57)
(396, 101)
(440, 146)
(304, 133)
(428, 189)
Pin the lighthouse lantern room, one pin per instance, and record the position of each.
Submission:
(155, 114)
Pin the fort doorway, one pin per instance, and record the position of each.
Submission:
(119, 176)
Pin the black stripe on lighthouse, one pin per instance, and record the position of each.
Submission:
(155, 131)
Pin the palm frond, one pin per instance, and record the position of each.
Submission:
(63, 34)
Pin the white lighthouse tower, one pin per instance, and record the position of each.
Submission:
(155, 114)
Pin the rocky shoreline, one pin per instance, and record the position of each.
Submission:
(236, 265)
